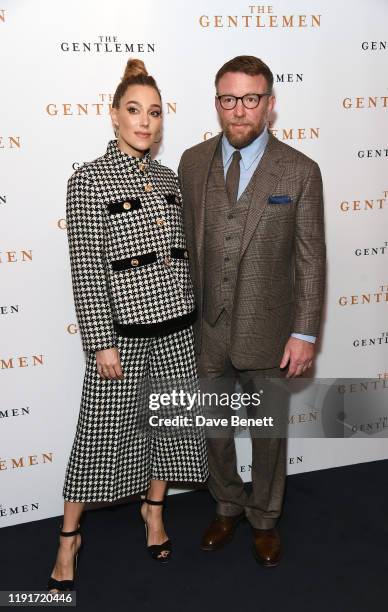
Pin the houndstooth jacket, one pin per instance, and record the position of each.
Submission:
(128, 256)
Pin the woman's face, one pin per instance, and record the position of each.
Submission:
(138, 119)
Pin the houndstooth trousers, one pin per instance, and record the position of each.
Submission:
(112, 455)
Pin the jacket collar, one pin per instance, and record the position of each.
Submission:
(128, 161)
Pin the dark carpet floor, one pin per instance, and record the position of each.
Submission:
(334, 532)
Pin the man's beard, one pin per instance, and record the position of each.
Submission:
(239, 141)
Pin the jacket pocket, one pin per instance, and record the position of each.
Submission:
(124, 206)
(136, 261)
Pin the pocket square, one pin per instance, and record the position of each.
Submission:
(281, 199)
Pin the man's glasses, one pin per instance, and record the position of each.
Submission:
(251, 100)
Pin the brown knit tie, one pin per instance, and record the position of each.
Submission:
(233, 177)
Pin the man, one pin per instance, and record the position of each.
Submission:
(253, 212)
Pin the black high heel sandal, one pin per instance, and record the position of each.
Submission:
(66, 585)
(155, 549)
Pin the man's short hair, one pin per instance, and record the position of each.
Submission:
(248, 64)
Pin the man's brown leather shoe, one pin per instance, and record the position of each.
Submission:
(220, 531)
(266, 548)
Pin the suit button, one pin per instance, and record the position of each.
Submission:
(160, 222)
(142, 166)
(185, 254)
(127, 205)
(148, 187)
(227, 237)
(134, 262)
(226, 258)
(226, 279)
(167, 261)
(230, 216)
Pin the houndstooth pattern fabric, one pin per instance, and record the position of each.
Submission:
(124, 215)
(112, 456)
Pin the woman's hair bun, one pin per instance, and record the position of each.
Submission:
(133, 68)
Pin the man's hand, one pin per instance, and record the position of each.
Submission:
(108, 364)
(299, 354)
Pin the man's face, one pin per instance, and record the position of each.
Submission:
(242, 125)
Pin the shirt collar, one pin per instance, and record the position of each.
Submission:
(249, 153)
(130, 161)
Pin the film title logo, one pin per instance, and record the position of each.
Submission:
(16, 256)
(286, 134)
(365, 102)
(366, 342)
(365, 299)
(367, 153)
(72, 328)
(24, 462)
(5, 310)
(260, 16)
(107, 44)
(14, 412)
(100, 108)
(374, 45)
(10, 142)
(11, 363)
(12, 510)
(366, 252)
(364, 205)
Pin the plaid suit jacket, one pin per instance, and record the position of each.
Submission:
(281, 276)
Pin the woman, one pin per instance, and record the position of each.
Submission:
(135, 307)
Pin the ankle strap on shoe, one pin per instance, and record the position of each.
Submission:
(69, 533)
(153, 502)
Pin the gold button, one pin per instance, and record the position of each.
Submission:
(148, 187)
(142, 166)
(185, 254)
(160, 222)
(167, 261)
(127, 205)
(134, 262)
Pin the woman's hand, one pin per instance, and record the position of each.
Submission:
(108, 364)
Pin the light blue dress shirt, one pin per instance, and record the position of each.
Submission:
(250, 158)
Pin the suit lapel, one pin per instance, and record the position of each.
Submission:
(266, 177)
(202, 171)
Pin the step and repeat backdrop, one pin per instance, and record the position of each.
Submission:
(60, 64)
